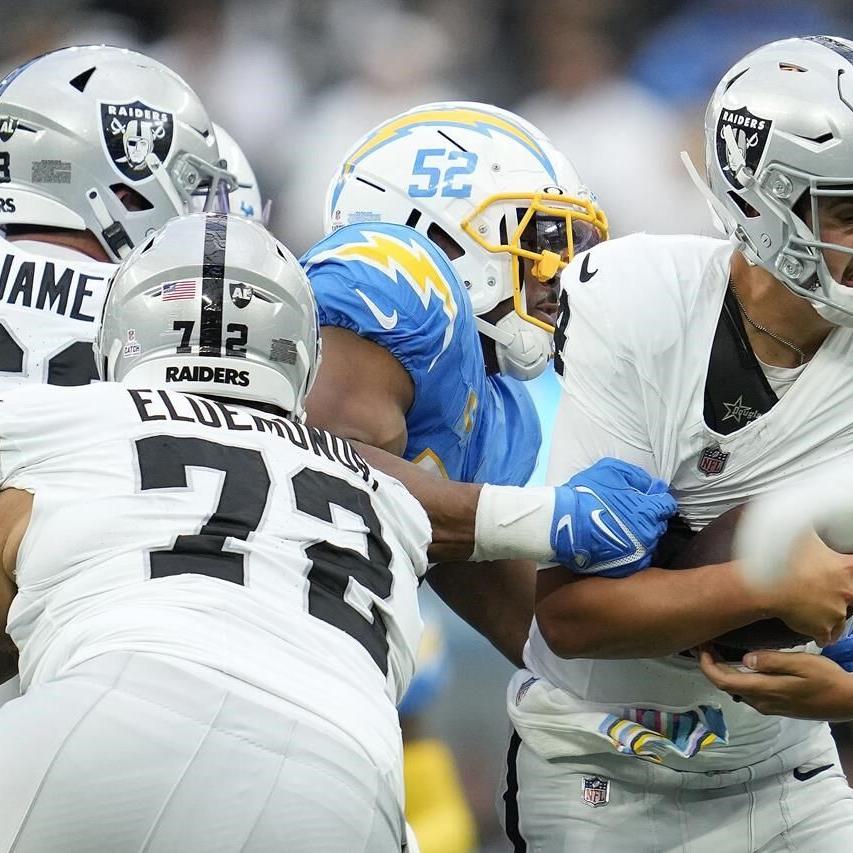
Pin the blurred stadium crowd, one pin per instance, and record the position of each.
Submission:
(619, 85)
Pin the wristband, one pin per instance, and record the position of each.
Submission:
(514, 523)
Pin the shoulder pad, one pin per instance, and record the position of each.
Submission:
(387, 282)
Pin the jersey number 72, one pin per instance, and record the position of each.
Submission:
(163, 462)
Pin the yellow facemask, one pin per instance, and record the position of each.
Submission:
(546, 263)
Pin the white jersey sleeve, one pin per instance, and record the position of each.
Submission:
(219, 535)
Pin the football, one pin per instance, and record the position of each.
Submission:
(713, 544)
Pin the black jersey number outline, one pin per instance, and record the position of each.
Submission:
(163, 462)
(73, 365)
(332, 566)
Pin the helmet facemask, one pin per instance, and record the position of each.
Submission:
(540, 226)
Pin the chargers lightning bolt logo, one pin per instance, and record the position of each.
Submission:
(399, 259)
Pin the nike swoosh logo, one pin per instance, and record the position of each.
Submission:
(387, 321)
(803, 775)
(580, 560)
(595, 515)
(585, 274)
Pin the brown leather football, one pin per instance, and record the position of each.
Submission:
(713, 544)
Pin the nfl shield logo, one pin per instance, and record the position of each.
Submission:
(712, 460)
(595, 791)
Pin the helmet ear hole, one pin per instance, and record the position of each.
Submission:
(444, 242)
(130, 198)
(747, 209)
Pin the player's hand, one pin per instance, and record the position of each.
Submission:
(608, 519)
(785, 684)
(813, 596)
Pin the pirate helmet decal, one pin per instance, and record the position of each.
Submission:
(132, 132)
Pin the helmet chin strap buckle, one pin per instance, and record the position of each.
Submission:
(113, 232)
(547, 266)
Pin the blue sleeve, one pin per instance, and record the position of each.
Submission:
(391, 285)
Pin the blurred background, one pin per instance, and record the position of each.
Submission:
(619, 85)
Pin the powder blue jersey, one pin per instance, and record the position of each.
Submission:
(393, 286)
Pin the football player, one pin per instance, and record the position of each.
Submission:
(74, 199)
(448, 225)
(215, 606)
(723, 368)
(201, 587)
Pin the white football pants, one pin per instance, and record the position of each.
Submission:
(132, 752)
(543, 808)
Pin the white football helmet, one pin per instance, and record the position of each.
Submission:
(779, 137)
(246, 199)
(108, 140)
(490, 189)
(212, 304)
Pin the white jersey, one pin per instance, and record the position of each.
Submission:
(643, 315)
(212, 533)
(50, 307)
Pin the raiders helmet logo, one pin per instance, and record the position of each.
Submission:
(133, 131)
(751, 134)
(241, 294)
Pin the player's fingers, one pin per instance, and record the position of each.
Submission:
(630, 475)
(714, 670)
(666, 505)
(659, 487)
(777, 663)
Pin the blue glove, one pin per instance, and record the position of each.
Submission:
(608, 519)
(841, 652)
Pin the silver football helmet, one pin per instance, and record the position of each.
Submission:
(108, 140)
(492, 191)
(779, 137)
(212, 304)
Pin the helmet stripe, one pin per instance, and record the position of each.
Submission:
(842, 48)
(212, 285)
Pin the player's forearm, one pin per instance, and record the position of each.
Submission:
(451, 506)
(649, 614)
(495, 598)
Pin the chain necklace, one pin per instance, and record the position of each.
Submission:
(791, 346)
